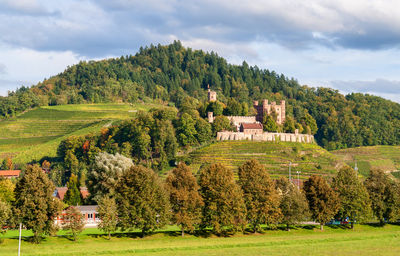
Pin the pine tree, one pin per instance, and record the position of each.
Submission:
(259, 193)
(354, 200)
(73, 195)
(294, 205)
(108, 214)
(382, 193)
(323, 202)
(186, 202)
(224, 206)
(73, 222)
(34, 205)
(141, 200)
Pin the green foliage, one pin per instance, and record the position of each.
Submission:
(221, 123)
(259, 193)
(203, 129)
(73, 195)
(186, 202)
(141, 199)
(106, 173)
(224, 207)
(322, 200)
(73, 222)
(216, 107)
(35, 207)
(7, 190)
(107, 210)
(186, 131)
(294, 205)
(5, 216)
(355, 203)
(269, 124)
(383, 196)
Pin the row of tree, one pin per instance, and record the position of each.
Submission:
(134, 197)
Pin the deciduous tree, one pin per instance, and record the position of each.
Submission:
(141, 200)
(186, 202)
(224, 206)
(73, 222)
(259, 193)
(5, 215)
(294, 205)
(34, 203)
(108, 215)
(322, 200)
(354, 200)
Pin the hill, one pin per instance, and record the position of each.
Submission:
(306, 158)
(386, 158)
(37, 133)
(179, 75)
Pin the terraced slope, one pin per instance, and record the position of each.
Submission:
(37, 133)
(306, 158)
(386, 158)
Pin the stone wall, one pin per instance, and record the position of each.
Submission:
(266, 136)
(241, 119)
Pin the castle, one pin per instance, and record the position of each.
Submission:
(251, 128)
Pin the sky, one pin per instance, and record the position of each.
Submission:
(352, 46)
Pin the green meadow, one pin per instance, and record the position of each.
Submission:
(306, 240)
(38, 132)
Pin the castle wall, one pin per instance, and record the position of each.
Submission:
(266, 136)
(241, 119)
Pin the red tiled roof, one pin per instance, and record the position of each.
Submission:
(62, 190)
(10, 173)
(252, 126)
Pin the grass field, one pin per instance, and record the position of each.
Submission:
(386, 158)
(37, 133)
(306, 158)
(364, 240)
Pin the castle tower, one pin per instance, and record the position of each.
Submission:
(212, 95)
(283, 111)
(210, 116)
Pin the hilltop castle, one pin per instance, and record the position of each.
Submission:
(251, 128)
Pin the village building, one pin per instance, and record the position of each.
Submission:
(8, 174)
(89, 213)
(61, 191)
(251, 128)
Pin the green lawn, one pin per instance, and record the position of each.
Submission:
(364, 240)
(37, 133)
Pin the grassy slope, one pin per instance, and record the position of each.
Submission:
(307, 158)
(386, 158)
(37, 133)
(364, 240)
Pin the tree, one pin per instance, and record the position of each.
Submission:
(105, 174)
(186, 202)
(224, 206)
(7, 190)
(382, 193)
(141, 200)
(294, 205)
(5, 215)
(259, 193)
(289, 125)
(354, 200)
(73, 222)
(35, 207)
(107, 210)
(221, 123)
(203, 129)
(186, 130)
(270, 124)
(322, 200)
(73, 195)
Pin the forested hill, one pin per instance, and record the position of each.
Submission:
(176, 74)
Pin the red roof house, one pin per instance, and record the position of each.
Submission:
(10, 173)
(251, 128)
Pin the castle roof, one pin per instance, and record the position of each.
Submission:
(252, 126)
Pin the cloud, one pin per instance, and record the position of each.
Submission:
(3, 69)
(381, 87)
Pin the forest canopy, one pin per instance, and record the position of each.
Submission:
(177, 75)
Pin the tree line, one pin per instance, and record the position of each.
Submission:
(177, 75)
(131, 196)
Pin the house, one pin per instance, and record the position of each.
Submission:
(89, 213)
(10, 173)
(251, 128)
(60, 192)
